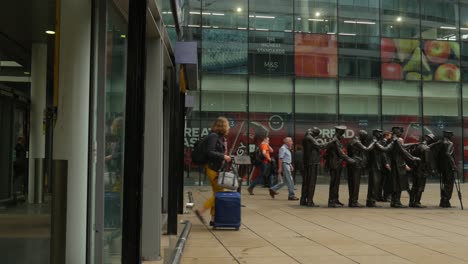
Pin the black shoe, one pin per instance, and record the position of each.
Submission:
(312, 204)
(418, 205)
(333, 205)
(397, 205)
(211, 223)
(303, 202)
(293, 198)
(372, 204)
(340, 203)
(272, 193)
(355, 205)
(250, 191)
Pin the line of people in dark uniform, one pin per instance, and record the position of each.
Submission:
(388, 160)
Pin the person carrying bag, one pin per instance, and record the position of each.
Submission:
(216, 153)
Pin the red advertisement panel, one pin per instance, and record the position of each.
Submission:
(315, 55)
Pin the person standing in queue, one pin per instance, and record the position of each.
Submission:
(399, 168)
(447, 167)
(216, 147)
(357, 151)
(334, 158)
(311, 149)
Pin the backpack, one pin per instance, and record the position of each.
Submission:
(258, 156)
(199, 152)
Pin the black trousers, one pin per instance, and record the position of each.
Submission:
(375, 185)
(334, 185)
(309, 182)
(354, 181)
(448, 182)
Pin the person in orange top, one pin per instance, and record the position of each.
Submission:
(265, 166)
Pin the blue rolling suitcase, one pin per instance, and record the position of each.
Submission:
(227, 210)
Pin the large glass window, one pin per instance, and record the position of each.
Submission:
(358, 57)
(224, 51)
(224, 94)
(315, 16)
(270, 95)
(400, 18)
(441, 101)
(315, 55)
(276, 15)
(402, 60)
(358, 17)
(271, 53)
(225, 14)
(359, 103)
(114, 134)
(401, 101)
(439, 19)
(316, 99)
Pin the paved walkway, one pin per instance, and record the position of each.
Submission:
(280, 231)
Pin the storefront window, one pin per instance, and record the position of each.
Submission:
(224, 94)
(316, 99)
(270, 95)
(315, 55)
(271, 53)
(401, 102)
(114, 134)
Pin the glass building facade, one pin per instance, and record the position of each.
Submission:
(280, 67)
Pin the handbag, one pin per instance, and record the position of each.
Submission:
(228, 179)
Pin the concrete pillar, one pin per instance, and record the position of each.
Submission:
(153, 169)
(38, 105)
(71, 129)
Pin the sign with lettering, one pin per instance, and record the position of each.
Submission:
(271, 53)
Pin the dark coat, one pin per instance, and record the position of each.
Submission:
(399, 155)
(358, 152)
(335, 155)
(446, 156)
(215, 151)
(378, 155)
(312, 150)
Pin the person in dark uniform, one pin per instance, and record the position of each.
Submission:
(378, 166)
(421, 170)
(385, 191)
(334, 158)
(357, 151)
(447, 169)
(399, 167)
(311, 163)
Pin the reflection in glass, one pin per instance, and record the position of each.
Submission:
(271, 53)
(441, 101)
(224, 51)
(359, 101)
(400, 19)
(359, 57)
(225, 14)
(114, 141)
(443, 59)
(439, 19)
(402, 59)
(315, 55)
(224, 94)
(316, 99)
(271, 15)
(401, 101)
(315, 16)
(270, 95)
(358, 17)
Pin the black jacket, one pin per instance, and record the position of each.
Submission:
(312, 150)
(358, 152)
(215, 151)
(335, 155)
(378, 157)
